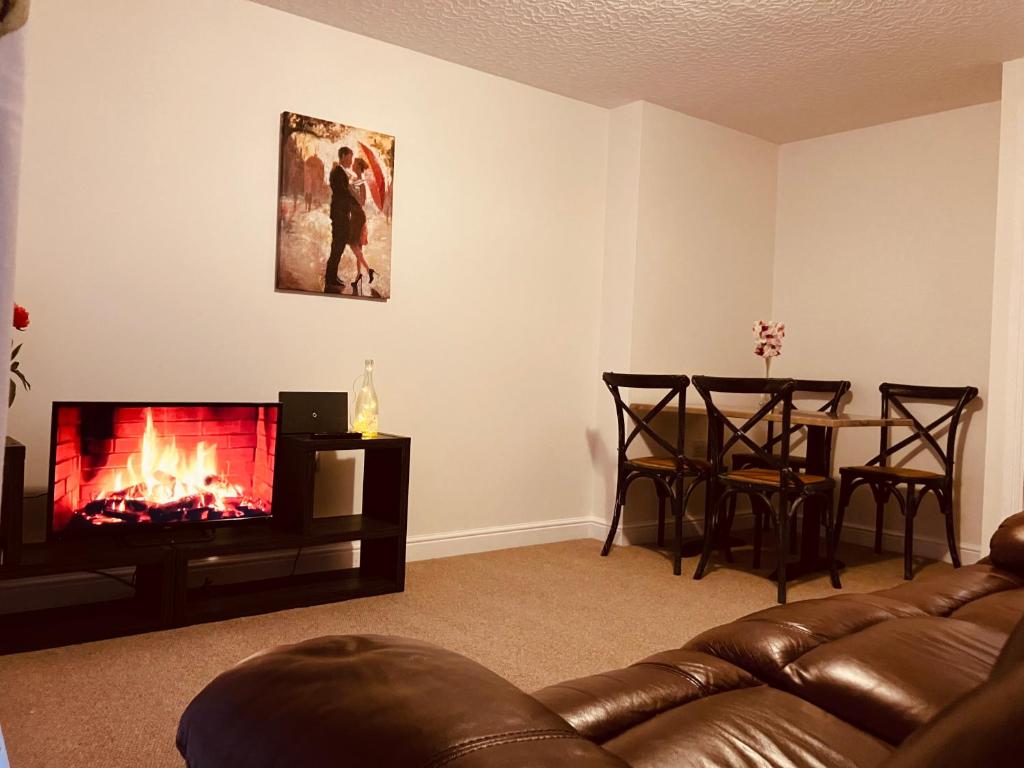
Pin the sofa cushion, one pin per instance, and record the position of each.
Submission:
(893, 677)
(1012, 655)
(1002, 610)
(941, 594)
(763, 643)
(758, 727)
(1006, 548)
(984, 729)
(602, 706)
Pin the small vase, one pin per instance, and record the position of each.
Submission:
(765, 397)
(367, 406)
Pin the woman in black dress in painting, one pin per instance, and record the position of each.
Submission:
(357, 228)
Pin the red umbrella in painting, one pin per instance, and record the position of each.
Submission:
(378, 185)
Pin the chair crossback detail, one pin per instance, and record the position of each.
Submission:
(780, 393)
(674, 386)
(675, 481)
(893, 397)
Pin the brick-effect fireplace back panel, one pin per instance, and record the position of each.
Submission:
(163, 464)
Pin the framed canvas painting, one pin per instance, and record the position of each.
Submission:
(335, 191)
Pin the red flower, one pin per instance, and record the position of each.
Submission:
(20, 317)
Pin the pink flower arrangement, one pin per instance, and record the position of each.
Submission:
(768, 338)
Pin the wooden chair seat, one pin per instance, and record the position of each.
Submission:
(892, 474)
(665, 464)
(771, 478)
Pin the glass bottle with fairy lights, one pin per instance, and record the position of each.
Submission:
(367, 405)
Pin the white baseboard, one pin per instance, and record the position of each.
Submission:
(434, 545)
(646, 532)
(892, 541)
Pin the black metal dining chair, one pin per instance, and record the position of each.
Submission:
(835, 390)
(775, 480)
(676, 475)
(885, 480)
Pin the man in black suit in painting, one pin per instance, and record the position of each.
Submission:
(342, 203)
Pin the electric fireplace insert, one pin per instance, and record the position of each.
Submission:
(147, 466)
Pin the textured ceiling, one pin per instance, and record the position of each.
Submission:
(779, 69)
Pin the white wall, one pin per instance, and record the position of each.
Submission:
(706, 235)
(1004, 457)
(147, 236)
(617, 292)
(883, 272)
(691, 230)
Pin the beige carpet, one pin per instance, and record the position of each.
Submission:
(536, 615)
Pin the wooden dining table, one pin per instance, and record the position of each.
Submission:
(819, 462)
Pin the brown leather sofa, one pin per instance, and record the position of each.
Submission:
(927, 674)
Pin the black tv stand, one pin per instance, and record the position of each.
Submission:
(167, 537)
(162, 596)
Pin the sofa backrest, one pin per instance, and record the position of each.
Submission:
(1006, 548)
(984, 728)
(1012, 655)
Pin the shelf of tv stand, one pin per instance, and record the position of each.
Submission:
(85, 555)
(147, 610)
(88, 622)
(245, 538)
(213, 603)
(80, 623)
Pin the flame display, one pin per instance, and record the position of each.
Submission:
(163, 483)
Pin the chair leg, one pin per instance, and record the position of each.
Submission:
(831, 541)
(615, 517)
(730, 515)
(661, 517)
(758, 529)
(677, 517)
(710, 530)
(781, 543)
(879, 519)
(908, 532)
(844, 499)
(947, 511)
(725, 533)
(732, 506)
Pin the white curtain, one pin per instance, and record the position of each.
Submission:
(13, 14)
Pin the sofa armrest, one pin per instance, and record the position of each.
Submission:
(372, 700)
(1006, 548)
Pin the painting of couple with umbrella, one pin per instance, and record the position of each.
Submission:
(335, 194)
